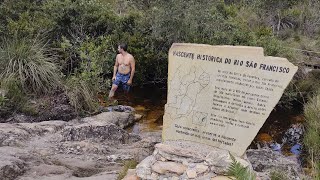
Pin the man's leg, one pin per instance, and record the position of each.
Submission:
(115, 84)
(112, 91)
(126, 87)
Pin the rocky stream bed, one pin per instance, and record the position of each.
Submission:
(96, 147)
(88, 148)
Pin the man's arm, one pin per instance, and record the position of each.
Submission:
(133, 68)
(115, 68)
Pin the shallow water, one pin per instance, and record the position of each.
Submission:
(150, 101)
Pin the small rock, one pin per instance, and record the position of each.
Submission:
(174, 178)
(176, 153)
(155, 152)
(163, 167)
(220, 161)
(191, 173)
(137, 117)
(162, 159)
(200, 168)
(136, 129)
(131, 177)
(143, 168)
(154, 176)
(112, 158)
(184, 162)
(120, 108)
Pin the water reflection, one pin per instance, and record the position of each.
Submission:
(148, 102)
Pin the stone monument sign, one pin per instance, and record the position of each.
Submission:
(222, 95)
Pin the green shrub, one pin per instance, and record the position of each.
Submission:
(89, 57)
(5, 109)
(15, 96)
(3, 100)
(28, 109)
(312, 135)
(82, 96)
(95, 17)
(84, 34)
(14, 99)
(29, 63)
(271, 45)
(25, 17)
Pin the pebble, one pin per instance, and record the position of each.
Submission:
(162, 167)
(191, 173)
(200, 168)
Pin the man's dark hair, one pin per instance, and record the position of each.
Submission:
(123, 46)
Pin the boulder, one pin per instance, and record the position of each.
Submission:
(108, 133)
(63, 112)
(265, 161)
(11, 166)
(54, 108)
(121, 119)
(104, 127)
(183, 151)
(12, 134)
(17, 134)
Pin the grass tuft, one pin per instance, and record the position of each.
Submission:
(312, 135)
(29, 62)
(81, 95)
(130, 164)
(277, 175)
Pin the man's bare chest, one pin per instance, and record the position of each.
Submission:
(124, 61)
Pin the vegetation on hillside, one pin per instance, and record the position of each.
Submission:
(80, 36)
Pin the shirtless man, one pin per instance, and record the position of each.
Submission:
(123, 70)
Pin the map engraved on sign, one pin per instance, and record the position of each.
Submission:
(183, 95)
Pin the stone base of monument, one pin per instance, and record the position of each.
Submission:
(186, 160)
